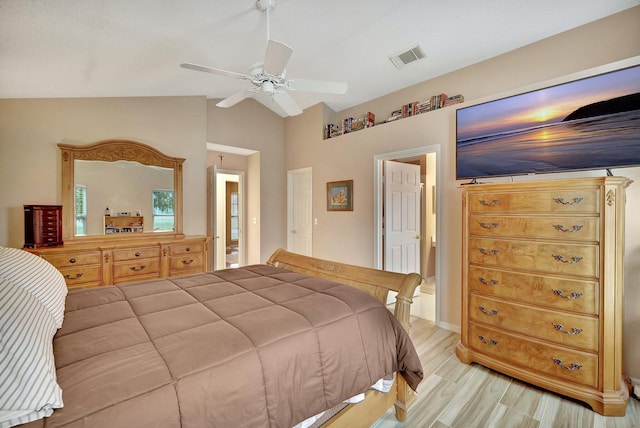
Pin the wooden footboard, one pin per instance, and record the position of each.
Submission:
(378, 283)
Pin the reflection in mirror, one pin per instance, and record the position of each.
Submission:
(143, 191)
(126, 177)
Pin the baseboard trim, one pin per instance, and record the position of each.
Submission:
(450, 327)
(635, 387)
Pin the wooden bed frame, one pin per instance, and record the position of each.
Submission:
(377, 283)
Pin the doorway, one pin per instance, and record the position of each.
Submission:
(228, 219)
(426, 302)
(300, 211)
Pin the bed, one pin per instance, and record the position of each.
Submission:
(268, 345)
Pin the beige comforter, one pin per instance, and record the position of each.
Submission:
(252, 347)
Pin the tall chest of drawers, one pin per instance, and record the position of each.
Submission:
(542, 285)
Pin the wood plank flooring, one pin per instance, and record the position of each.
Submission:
(455, 395)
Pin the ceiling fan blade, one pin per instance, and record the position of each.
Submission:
(276, 57)
(323, 86)
(287, 104)
(234, 99)
(214, 71)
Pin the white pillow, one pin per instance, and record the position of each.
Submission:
(37, 276)
(28, 385)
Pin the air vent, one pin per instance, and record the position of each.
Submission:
(403, 58)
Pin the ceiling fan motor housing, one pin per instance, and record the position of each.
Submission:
(263, 5)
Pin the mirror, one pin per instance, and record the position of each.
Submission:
(137, 183)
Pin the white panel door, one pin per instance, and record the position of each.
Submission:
(401, 217)
(299, 239)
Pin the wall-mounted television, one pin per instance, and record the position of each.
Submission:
(591, 123)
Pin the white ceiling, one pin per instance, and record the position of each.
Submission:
(107, 48)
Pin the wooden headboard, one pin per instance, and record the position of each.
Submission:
(376, 282)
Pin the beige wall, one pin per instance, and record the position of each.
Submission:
(30, 159)
(251, 126)
(602, 46)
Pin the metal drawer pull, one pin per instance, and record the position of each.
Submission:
(71, 278)
(574, 228)
(489, 252)
(188, 249)
(489, 226)
(574, 330)
(490, 313)
(573, 366)
(187, 262)
(490, 282)
(571, 202)
(489, 204)
(137, 254)
(572, 260)
(487, 342)
(572, 296)
(137, 269)
(72, 260)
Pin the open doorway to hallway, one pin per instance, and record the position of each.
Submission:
(230, 202)
(388, 255)
(227, 211)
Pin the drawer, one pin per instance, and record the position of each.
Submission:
(535, 356)
(147, 267)
(188, 262)
(48, 239)
(559, 293)
(561, 228)
(73, 259)
(82, 276)
(561, 201)
(48, 223)
(577, 331)
(46, 232)
(575, 259)
(49, 212)
(135, 253)
(175, 250)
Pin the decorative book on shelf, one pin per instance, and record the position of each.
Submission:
(123, 224)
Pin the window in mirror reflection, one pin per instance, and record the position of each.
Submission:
(163, 219)
(81, 209)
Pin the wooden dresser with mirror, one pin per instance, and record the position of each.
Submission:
(92, 257)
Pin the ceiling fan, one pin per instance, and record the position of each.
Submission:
(270, 76)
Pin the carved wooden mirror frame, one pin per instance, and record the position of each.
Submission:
(111, 151)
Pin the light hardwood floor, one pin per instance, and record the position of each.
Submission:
(454, 394)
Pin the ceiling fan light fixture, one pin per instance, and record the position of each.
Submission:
(268, 87)
(408, 56)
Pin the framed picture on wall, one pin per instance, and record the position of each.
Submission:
(340, 195)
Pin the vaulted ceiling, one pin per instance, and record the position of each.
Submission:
(107, 48)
